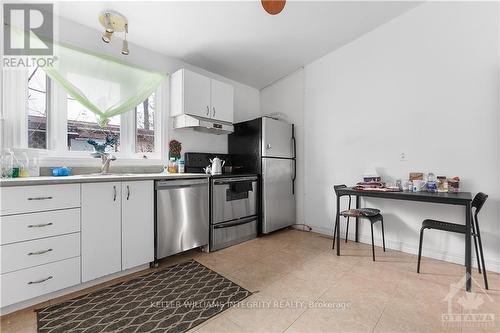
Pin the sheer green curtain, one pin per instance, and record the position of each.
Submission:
(104, 85)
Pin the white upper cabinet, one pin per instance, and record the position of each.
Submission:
(222, 101)
(137, 223)
(197, 95)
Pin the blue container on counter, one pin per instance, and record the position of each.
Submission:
(64, 171)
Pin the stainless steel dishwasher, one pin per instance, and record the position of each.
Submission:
(182, 221)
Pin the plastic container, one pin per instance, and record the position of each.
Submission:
(61, 172)
(181, 166)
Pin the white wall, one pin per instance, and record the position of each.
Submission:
(286, 99)
(246, 98)
(427, 84)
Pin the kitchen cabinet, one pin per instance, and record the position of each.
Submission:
(222, 101)
(40, 240)
(137, 223)
(197, 95)
(101, 229)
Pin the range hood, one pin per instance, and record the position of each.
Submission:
(203, 124)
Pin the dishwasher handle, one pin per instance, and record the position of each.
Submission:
(169, 184)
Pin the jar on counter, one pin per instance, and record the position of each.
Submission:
(172, 165)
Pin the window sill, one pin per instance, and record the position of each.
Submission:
(73, 161)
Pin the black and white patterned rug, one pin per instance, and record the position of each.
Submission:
(175, 299)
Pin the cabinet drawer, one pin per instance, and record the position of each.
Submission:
(26, 199)
(38, 252)
(23, 227)
(32, 282)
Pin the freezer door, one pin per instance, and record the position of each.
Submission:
(278, 200)
(276, 138)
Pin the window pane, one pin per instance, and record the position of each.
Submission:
(37, 108)
(82, 125)
(145, 126)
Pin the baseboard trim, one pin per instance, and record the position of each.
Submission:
(456, 258)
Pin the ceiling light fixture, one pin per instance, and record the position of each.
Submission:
(273, 7)
(125, 50)
(114, 22)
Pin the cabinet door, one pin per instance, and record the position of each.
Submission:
(101, 229)
(222, 101)
(137, 223)
(196, 94)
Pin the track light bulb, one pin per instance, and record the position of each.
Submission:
(106, 37)
(107, 23)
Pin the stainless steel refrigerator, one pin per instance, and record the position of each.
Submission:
(267, 146)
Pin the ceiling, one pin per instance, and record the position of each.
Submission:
(238, 39)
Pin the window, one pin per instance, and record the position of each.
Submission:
(38, 104)
(59, 123)
(82, 125)
(145, 126)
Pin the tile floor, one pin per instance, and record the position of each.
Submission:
(300, 285)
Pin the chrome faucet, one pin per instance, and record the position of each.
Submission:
(106, 159)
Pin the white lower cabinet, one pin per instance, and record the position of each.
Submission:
(137, 223)
(117, 227)
(56, 236)
(101, 229)
(39, 280)
(39, 251)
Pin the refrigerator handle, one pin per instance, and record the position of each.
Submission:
(294, 175)
(294, 142)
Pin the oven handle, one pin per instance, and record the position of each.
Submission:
(234, 180)
(235, 223)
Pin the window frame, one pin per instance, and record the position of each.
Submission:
(15, 85)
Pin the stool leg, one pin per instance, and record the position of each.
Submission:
(482, 254)
(347, 228)
(420, 248)
(475, 245)
(383, 237)
(334, 233)
(373, 245)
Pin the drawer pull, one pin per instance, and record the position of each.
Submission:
(40, 225)
(40, 281)
(39, 252)
(40, 198)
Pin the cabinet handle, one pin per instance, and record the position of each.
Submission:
(114, 193)
(40, 198)
(40, 281)
(213, 108)
(208, 110)
(39, 252)
(128, 192)
(40, 225)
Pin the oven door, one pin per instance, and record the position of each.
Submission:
(234, 198)
(232, 232)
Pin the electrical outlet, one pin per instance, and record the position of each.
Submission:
(402, 157)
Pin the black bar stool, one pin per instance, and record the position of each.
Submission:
(371, 214)
(477, 204)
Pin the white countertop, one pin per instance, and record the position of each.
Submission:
(93, 178)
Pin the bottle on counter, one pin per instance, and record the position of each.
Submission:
(181, 166)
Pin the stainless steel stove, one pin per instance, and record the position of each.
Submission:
(234, 202)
